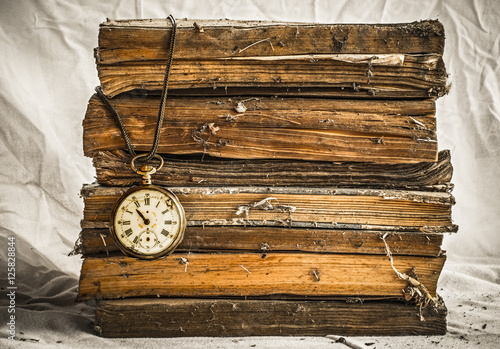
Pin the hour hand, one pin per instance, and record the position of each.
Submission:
(146, 221)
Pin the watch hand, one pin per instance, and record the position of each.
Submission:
(146, 221)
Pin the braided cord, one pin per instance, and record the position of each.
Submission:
(161, 112)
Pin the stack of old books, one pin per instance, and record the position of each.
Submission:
(306, 158)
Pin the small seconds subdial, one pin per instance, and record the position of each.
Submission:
(148, 222)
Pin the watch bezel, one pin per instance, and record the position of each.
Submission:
(177, 239)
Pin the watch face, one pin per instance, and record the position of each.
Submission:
(148, 222)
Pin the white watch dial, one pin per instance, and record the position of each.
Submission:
(148, 222)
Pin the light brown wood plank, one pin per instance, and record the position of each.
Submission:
(223, 318)
(277, 206)
(276, 128)
(248, 274)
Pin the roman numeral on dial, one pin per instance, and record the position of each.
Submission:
(169, 203)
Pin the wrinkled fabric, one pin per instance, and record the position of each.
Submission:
(47, 75)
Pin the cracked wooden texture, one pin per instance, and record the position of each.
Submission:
(113, 169)
(252, 274)
(279, 239)
(270, 128)
(279, 56)
(324, 207)
(225, 317)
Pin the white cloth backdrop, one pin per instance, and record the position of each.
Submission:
(47, 75)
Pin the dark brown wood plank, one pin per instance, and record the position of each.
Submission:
(137, 40)
(363, 91)
(248, 274)
(223, 318)
(113, 169)
(269, 240)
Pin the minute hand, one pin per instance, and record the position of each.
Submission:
(146, 221)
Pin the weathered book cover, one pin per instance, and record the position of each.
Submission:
(231, 57)
(270, 128)
(174, 317)
(113, 169)
(195, 275)
(333, 208)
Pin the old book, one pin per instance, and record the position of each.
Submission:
(113, 169)
(195, 275)
(227, 57)
(173, 317)
(332, 208)
(305, 156)
(98, 241)
(124, 39)
(270, 128)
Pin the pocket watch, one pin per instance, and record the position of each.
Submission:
(148, 221)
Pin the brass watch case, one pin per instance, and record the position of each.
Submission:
(177, 239)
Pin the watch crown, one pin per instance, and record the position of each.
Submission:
(146, 168)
